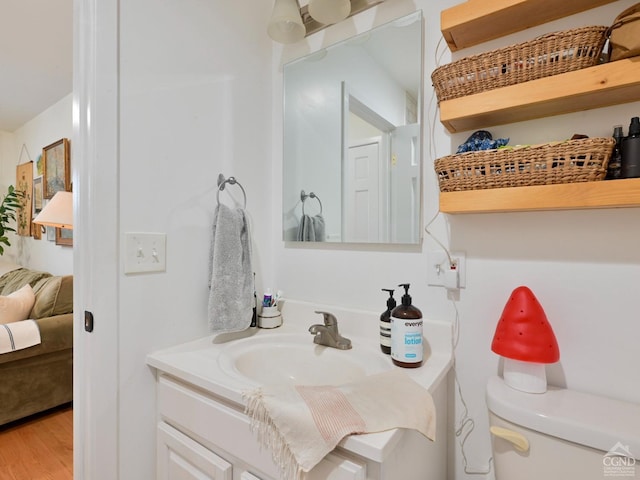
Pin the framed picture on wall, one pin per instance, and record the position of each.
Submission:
(55, 168)
(24, 184)
(64, 236)
(37, 194)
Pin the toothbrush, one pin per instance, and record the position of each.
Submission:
(277, 297)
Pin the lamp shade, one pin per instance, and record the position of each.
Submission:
(286, 24)
(526, 340)
(523, 331)
(58, 212)
(329, 11)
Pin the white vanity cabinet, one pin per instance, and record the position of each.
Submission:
(200, 437)
(203, 433)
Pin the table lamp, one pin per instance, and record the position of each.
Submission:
(526, 340)
(58, 212)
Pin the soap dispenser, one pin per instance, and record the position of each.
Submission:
(385, 323)
(406, 333)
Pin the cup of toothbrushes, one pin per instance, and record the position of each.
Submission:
(270, 317)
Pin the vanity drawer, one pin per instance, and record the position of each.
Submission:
(179, 457)
(211, 422)
(204, 418)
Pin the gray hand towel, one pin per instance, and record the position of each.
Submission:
(231, 276)
(318, 228)
(311, 229)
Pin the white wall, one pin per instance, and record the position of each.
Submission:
(195, 102)
(584, 266)
(49, 126)
(7, 161)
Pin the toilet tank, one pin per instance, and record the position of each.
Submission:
(562, 434)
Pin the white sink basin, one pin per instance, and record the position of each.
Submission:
(294, 358)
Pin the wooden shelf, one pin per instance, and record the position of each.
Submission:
(571, 196)
(600, 86)
(477, 21)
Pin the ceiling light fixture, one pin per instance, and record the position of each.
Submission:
(286, 24)
(289, 23)
(329, 11)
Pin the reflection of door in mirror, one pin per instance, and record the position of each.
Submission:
(366, 172)
(381, 174)
(361, 203)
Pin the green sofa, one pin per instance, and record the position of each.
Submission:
(38, 378)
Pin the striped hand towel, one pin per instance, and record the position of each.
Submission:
(302, 424)
(19, 335)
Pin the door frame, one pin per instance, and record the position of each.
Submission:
(354, 103)
(95, 143)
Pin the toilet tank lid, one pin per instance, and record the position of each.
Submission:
(582, 418)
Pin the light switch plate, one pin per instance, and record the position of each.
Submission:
(145, 252)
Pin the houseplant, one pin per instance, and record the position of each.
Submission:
(10, 203)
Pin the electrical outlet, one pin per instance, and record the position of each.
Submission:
(439, 271)
(145, 252)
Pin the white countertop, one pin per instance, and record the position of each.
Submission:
(198, 362)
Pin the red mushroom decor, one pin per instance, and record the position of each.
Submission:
(526, 340)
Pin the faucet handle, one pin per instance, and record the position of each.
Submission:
(329, 318)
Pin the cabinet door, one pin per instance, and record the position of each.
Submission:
(181, 458)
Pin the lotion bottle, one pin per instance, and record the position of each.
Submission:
(406, 333)
(385, 323)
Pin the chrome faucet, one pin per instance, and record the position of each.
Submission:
(328, 334)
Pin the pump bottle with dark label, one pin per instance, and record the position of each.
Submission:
(406, 333)
(385, 323)
(614, 169)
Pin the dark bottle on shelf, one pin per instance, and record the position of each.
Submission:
(631, 151)
(615, 163)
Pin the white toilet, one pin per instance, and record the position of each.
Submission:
(562, 435)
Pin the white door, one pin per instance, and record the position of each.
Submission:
(362, 208)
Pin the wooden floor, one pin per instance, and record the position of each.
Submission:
(38, 448)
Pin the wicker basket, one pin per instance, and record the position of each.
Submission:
(583, 160)
(551, 54)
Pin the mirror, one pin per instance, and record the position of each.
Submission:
(352, 139)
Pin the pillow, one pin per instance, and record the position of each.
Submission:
(17, 305)
(12, 281)
(54, 296)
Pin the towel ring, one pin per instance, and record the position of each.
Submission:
(231, 181)
(304, 196)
